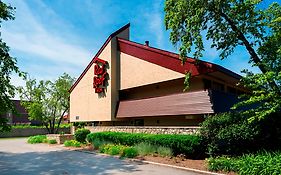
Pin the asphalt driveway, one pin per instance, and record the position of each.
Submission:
(18, 157)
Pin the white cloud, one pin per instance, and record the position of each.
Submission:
(28, 36)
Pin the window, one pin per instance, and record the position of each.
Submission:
(207, 84)
(231, 90)
(218, 86)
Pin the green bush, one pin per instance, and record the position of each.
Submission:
(37, 139)
(112, 149)
(52, 141)
(263, 163)
(81, 134)
(72, 143)
(123, 151)
(130, 152)
(146, 149)
(233, 134)
(97, 143)
(164, 151)
(190, 145)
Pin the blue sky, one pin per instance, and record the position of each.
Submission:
(54, 36)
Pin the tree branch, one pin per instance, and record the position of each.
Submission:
(251, 51)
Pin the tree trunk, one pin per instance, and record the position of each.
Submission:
(61, 117)
(252, 52)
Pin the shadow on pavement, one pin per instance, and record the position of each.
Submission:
(63, 162)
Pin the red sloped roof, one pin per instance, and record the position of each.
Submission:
(170, 60)
(160, 57)
(98, 53)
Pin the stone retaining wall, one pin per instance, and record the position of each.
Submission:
(25, 132)
(146, 129)
(60, 138)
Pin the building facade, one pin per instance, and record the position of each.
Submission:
(132, 84)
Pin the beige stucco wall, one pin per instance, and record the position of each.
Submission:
(136, 72)
(87, 104)
(162, 88)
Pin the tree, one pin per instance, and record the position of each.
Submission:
(230, 23)
(47, 101)
(8, 65)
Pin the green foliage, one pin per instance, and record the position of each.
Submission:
(37, 139)
(97, 143)
(35, 126)
(146, 149)
(79, 124)
(164, 151)
(190, 145)
(72, 143)
(232, 134)
(228, 24)
(8, 65)
(112, 149)
(123, 151)
(52, 141)
(130, 152)
(262, 163)
(47, 101)
(4, 127)
(81, 134)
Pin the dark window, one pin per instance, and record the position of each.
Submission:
(218, 86)
(139, 122)
(231, 90)
(207, 84)
(240, 92)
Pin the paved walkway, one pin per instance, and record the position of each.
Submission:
(18, 157)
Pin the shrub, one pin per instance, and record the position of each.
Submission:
(72, 143)
(124, 151)
(164, 151)
(112, 149)
(81, 134)
(189, 145)
(233, 134)
(262, 163)
(145, 149)
(130, 152)
(37, 139)
(52, 141)
(97, 143)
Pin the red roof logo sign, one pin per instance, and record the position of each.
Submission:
(101, 76)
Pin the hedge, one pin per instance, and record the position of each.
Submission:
(189, 145)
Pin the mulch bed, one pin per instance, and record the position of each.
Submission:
(180, 161)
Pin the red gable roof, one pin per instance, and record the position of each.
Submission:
(164, 58)
(160, 57)
(170, 60)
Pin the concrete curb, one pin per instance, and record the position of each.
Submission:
(155, 163)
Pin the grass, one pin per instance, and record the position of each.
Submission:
(262, 163)
(37, 139)
(146, 149)
(164, 151)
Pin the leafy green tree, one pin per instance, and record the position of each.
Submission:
(228, 24)
(47, 101)
(8, 65)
